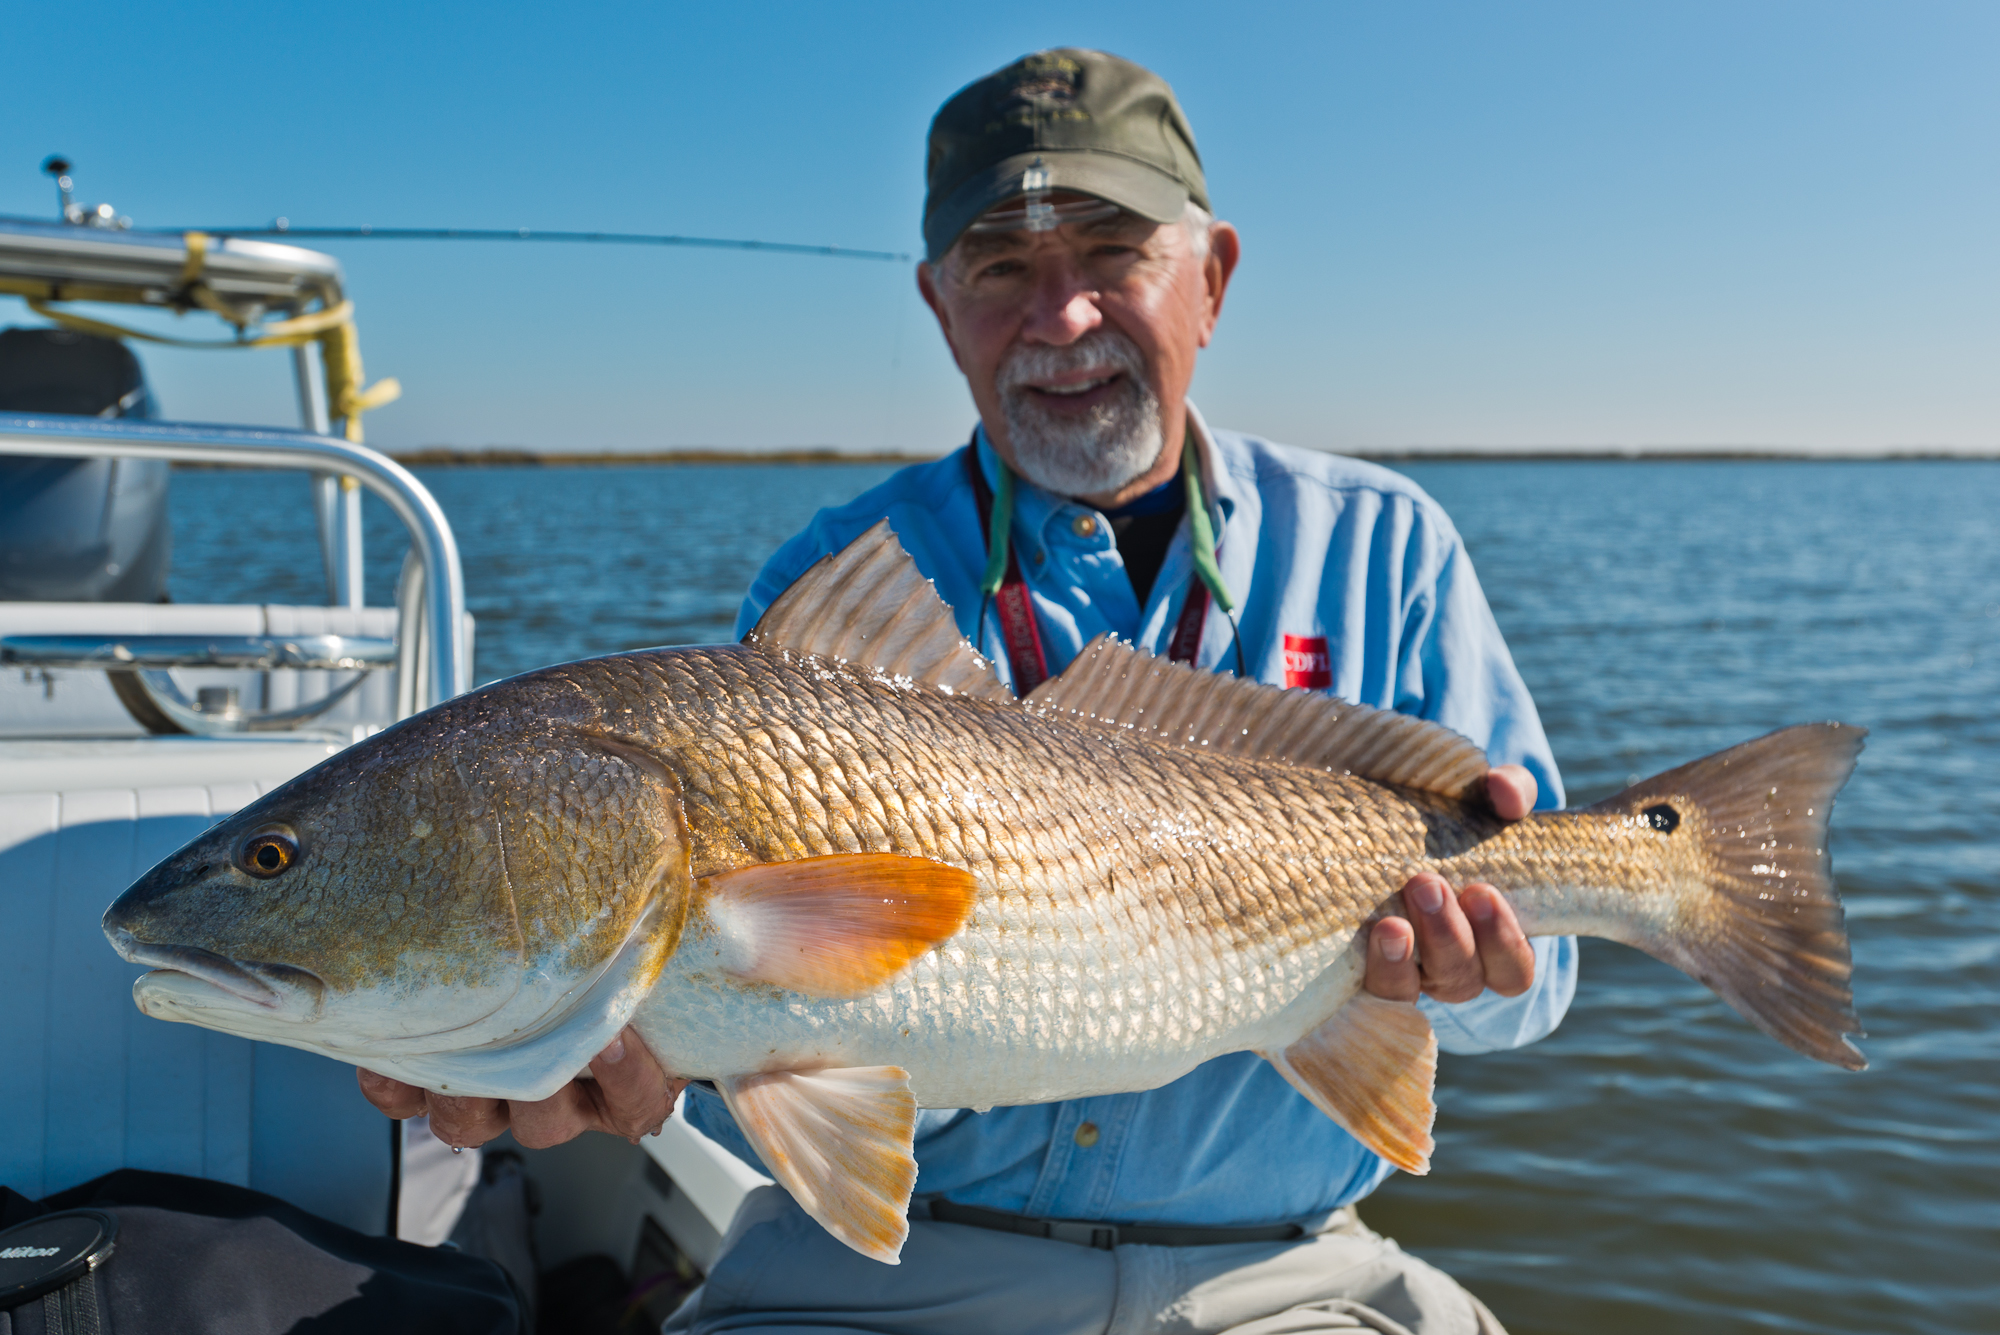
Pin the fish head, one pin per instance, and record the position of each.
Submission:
(464, 879)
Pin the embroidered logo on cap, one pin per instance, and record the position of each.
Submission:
(1307, 663)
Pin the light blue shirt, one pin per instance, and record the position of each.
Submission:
(1310, 545)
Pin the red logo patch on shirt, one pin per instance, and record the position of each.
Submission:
(1307, 663)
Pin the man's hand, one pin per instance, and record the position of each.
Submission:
(1463, 943)
(631, 1097)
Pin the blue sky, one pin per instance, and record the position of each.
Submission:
(1466, 225)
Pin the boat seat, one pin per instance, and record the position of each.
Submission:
(90, 1084)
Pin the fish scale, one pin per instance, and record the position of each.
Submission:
(1067, 847)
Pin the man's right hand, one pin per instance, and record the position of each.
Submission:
(630, 1097)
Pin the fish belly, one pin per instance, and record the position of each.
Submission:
(1018, 1011)
(1140, 908)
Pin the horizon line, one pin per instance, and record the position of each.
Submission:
(502, 455)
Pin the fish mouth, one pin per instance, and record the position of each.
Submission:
(252, 982)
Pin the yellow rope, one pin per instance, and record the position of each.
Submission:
(280, 333)
(197, 256)
(332, 328)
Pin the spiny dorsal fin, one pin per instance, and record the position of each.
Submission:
(870, 606)
(1112, 682)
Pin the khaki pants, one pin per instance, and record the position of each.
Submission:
(781, 1272)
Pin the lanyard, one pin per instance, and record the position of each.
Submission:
(1008, 592)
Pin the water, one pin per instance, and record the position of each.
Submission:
(1656, 1165)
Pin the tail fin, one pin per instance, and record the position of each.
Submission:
(1770, 939)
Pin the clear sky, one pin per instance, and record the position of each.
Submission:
(1472, 225)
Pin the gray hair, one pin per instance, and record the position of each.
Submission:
(1196, 221)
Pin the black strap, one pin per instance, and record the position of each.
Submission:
(1103, 1236)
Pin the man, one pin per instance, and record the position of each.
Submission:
(1075, 272)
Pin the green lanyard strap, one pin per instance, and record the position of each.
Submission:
(1201, 531)
(1002, 525)
(1201, 536)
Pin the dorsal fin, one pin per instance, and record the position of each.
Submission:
(1112, 682)
(869, 605)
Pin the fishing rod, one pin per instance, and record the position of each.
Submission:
(283, 228)
(103, 215)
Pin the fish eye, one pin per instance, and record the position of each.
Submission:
(1662, 818)
(269, 852)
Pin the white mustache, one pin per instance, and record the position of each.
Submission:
(1100, 449)
(1101, 347)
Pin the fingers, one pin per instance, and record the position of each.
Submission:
(563, 1115)
(1512, 791)
(633, 1096)
(461, 1123)
(1447, 951)
(630, 1096)
(1392, 962)
(1504, 953)
(464, 1123)
(392, 1098)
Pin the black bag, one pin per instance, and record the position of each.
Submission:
(194, 1255)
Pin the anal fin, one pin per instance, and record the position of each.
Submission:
(842, 1142)
(1371, 1067)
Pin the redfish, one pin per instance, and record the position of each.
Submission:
(839, 871)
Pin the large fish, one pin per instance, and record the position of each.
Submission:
(839, 871)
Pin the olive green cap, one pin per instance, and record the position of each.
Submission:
(1066, 119)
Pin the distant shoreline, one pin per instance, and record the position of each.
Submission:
(445, 457)
(440, 457)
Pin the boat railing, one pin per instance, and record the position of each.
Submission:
(431, 648)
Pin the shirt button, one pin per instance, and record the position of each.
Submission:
(1037, 556)
(1083, 525)
(1086, 1135)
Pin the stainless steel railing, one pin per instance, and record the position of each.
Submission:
(433, 619)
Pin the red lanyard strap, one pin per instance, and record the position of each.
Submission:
(1185, 647)
(1018, 627)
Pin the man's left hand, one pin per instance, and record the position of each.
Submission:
(629, 1096)
(1455, 945)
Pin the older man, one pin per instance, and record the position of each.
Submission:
(1076, 272)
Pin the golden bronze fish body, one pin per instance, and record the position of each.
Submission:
(1140, 906)
(838, 871)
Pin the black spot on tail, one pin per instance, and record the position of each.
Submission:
(1773, 942)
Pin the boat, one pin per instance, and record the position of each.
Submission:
(129, 723)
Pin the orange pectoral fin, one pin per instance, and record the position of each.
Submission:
(835, 926)
(1371, 1067)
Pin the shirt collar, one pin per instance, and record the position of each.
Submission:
(1034, 508)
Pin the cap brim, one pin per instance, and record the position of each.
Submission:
(1126, 182)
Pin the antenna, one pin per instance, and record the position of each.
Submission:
(57, 165)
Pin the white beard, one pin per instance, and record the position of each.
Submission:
(1113, 444)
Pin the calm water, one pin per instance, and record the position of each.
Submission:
(1656, 1165)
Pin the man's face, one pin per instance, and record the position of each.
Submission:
(1079, 344)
